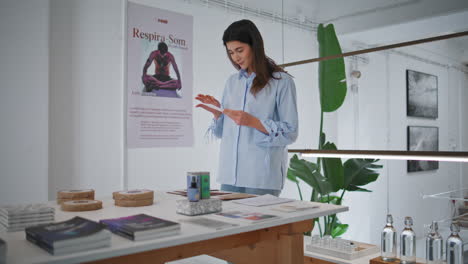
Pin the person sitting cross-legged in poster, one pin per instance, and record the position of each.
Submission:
(161, 79)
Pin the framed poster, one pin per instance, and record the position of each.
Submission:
(421, 95)
(159, 78)
(421, 138)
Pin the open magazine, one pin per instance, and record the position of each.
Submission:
(252, 217)
(296, 206)
(263, 200)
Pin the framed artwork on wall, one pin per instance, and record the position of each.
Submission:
(421, 95)
(422, 138)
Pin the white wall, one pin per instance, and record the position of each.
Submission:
(382, 124)
(87, 112)
(165, 168)
(86, 96)
(24, 88)
(464, 129)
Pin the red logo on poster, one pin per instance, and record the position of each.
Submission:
(163, 21)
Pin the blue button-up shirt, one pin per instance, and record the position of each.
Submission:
(248, 157)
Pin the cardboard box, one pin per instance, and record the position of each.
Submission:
(203, 183)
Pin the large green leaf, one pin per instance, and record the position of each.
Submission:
(329, 199)
(354, 188)
(307, 172)
(333, 169)
(359, 172)
(332, 75)
(292, 177)
(339, 229)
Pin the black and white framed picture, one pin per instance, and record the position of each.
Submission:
(422, 138)
(421, 95)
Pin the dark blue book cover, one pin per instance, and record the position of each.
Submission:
(138, 223)
(74, 228)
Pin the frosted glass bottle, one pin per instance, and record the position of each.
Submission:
(388, 243)
(408, 243)
(434, 245)
(454, 244)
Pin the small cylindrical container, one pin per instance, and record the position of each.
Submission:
(454, 244)
(434, 245)
(388, 249)
(193, 193)
(408, 243)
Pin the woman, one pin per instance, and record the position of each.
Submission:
(259, 118)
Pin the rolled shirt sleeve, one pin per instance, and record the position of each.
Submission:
(216, 127)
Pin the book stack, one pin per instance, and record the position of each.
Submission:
(81, 205)
(133, 198)
(75, 235)
(18, 217)
(141, 227)
(73, 195)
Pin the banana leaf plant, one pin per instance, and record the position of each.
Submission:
(330, 178)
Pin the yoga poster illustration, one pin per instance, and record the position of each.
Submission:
(159, 78)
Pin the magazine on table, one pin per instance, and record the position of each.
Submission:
(252, 217)
(69, 236)
(234, 196)
(141, 227)
(25, 209)
(213, 192)
(296, 206)
(263, 200)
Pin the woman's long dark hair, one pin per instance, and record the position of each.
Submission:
(245, 31)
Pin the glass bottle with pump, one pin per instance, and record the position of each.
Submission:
(192, 192)
(388, 242)
(454, 244)
(434, 245)
(408, 243)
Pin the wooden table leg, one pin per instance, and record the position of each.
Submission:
(285, 247)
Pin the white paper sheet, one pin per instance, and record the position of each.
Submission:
(263, 200)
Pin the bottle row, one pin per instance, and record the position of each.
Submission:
(434, 244)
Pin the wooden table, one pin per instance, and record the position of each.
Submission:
(278, 240)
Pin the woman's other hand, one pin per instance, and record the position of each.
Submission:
(208, 99)
(242, 118)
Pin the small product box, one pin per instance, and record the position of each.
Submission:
(203, 183)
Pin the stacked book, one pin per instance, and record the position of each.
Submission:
(75, 235)
(133, 198)
(142, 227)
(73, 195)
(18, 217)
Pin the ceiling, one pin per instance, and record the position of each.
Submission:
(359, 15)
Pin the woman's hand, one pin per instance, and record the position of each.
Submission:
(242, 118)
(208, 99)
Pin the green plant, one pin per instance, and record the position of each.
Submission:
(329, 178)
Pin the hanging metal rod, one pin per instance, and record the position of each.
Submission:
(386, 47)
(455, 156)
